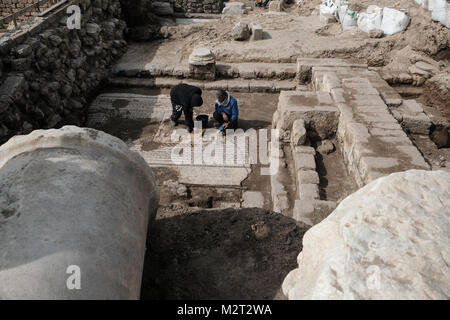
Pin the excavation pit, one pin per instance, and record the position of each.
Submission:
(140, 117)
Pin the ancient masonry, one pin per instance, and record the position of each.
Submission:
(357, 106)
(48, 71)
(8, 7)
(198, 6)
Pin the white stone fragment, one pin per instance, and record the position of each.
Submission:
(388, 240)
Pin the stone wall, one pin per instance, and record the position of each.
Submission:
(48, 72)
(8, 7)
(199, 6)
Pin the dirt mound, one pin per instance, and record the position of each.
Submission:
(226, 254)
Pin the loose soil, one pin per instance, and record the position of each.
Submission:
(220, 254)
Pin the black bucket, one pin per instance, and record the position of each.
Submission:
(204, 119)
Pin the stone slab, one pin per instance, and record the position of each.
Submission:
(312, 212)
(212, 176)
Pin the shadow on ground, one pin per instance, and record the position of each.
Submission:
(220, 254)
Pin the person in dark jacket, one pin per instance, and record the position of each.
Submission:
(184, 97)
(226, 110)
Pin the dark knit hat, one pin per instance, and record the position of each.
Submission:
(196, 100)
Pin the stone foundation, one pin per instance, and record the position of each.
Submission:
(199, 6)
(8, 7)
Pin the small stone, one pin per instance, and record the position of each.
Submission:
(27, 127)
(240, 31)
(55, 40)
(261, 230)
(424, 66)
(417, 71)
(326, 147)
(92, 29)
(298, 136)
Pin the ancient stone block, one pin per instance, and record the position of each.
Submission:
(275, 6)
(308, 191)
(307, 177)
(240, 31)
(304, 161)
(298, 133)
(257, 31)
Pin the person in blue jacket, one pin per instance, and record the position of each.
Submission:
(226, 109)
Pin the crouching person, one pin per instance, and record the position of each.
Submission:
(226, 110)
(184, 98)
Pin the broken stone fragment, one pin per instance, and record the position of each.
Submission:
(256, 31)
(298, 136)
(261, 230)
(425, 66)
(307, 177)
(234, 8)
(417, 71)
(92, 29)
(312, 211)
(240, 31)
(176, 188)
(327, 18)
(325, 147)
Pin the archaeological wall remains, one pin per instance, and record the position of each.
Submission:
(198, 6)
(47, 72)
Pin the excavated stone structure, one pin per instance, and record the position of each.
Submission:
(359, 108)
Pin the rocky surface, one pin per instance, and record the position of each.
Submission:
(50, 72)
(388, 240)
